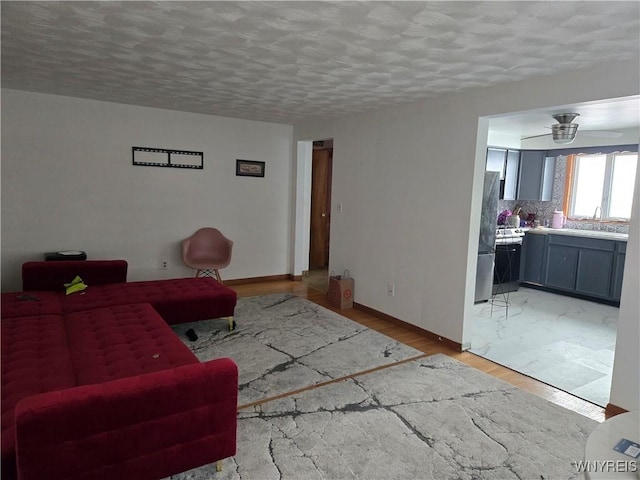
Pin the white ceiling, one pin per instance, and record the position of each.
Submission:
(288, 61)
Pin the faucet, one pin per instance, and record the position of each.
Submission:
(595, 213)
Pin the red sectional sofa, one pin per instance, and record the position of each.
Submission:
(96, 385)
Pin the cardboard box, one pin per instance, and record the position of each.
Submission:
(340, 293)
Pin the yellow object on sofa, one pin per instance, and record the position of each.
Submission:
(76, 285)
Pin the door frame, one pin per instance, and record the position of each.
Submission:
(302, 208)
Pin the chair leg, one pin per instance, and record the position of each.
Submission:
(232, 323)
(219, 466)
(208, 272)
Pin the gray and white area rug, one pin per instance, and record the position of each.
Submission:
(283, 343)
(425, 418)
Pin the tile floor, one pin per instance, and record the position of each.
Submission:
(563, 341)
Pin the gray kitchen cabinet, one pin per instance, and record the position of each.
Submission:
(507, 162)
(511, 170)
(535, 179)
(580, 264)
(562, 265)
(496, 160)
(532, 258)
(576, 265)
(593, 276)
(618, 270)
(548, 175)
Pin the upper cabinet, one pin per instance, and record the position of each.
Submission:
(535, 181)
(512, 167)
(507, 163)
(524, 174)
(496, 160)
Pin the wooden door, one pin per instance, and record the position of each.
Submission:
(320, 208)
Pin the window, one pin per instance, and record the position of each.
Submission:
(602, 186)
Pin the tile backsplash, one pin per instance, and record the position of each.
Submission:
(544, 210)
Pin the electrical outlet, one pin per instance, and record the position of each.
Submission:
(391, 290)
(164, 264)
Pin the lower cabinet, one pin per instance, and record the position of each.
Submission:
(588, 267)
(562, 264)
(618, 270)
(532, 259)
(593, 276)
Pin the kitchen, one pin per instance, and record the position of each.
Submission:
(551, 311)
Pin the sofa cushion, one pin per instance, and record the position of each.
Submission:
(20, 304)
(176, 300)
(53, 275)
(122, 341)
(35, 359)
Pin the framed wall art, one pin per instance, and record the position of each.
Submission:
(249, 168)
(162, 157)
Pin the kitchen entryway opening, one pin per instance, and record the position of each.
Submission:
(552, 311)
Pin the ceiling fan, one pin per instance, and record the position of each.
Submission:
(565, 130)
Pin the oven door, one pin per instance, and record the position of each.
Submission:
(507, 265)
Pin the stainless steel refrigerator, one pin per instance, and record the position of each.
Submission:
(487, 240)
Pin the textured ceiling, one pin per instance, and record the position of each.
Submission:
(287, 61)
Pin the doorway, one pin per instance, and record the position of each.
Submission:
(563, 341)
(320, 216)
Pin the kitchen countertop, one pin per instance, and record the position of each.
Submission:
(578, 233)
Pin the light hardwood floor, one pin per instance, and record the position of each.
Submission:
(427, 345)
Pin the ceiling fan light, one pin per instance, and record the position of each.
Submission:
(564, 133)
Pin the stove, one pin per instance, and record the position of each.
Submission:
(509, 236)
(506, 273)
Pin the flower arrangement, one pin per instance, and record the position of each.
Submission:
(502, 217)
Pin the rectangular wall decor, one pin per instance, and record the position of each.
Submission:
(249, 168)
(162, 157)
